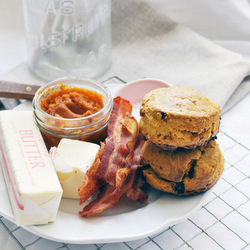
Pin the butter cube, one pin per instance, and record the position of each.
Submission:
(72, 158)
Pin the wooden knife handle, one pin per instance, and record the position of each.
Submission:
(17, 90)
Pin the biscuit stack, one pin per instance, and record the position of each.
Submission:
(181, 154)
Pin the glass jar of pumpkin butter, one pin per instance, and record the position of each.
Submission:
(72, 108)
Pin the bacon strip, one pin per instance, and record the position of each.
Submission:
(126, 176)
(138, 190)
(102, 202)
(120, 108)
(116, 164)
(122, 135)
(93, 181)
(109, 195)
(123, 141)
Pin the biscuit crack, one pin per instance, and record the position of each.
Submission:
(191, 171)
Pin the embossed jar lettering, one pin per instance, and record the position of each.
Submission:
(68, 37)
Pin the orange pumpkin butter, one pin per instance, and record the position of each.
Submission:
(74, 109)
(72, 102)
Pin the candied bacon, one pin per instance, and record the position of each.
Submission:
(114, 171)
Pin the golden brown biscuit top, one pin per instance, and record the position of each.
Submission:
(180, 101)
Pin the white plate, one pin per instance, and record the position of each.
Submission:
(127, 220)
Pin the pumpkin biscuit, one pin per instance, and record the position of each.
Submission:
(170, 165)
(178, 117)
(202, 175)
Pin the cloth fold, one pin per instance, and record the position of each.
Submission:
(146, 43)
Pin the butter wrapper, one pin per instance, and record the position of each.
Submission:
(32, 183)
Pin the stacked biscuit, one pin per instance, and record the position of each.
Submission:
(180, 152)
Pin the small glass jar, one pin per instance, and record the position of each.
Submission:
(92, 128)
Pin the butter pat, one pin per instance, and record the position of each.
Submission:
(34, 189)
(72, 159)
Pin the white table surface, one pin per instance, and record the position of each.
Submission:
(222, 223)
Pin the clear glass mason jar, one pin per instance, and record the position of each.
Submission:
(68, 37)
(92, 128)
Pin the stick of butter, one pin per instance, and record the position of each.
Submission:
(34, 189)
(72, 158)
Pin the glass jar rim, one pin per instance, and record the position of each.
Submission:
(107, 106)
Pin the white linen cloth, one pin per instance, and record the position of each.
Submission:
(146, 43)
